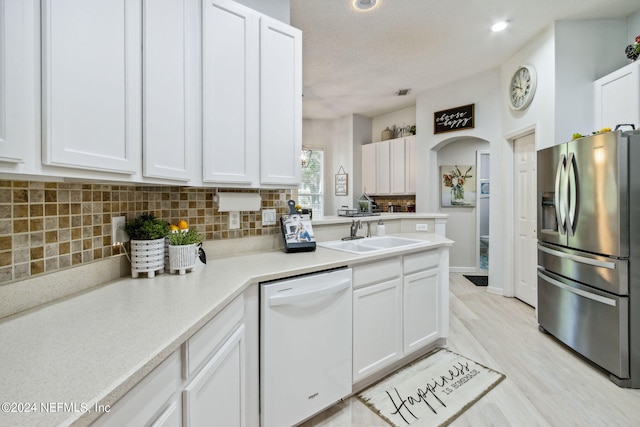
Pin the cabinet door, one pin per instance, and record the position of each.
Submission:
(280, 103)
(377, 327)
(216, 396)
(170, 85)
(231, 109)
(383, 159)
(410, 165)
(19, 80)
(617, 98)
(153, 401)
(92, 84)
(396, 166)
(421, 305)
(170, 417)
(369, 169)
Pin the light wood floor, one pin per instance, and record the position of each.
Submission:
(546, 384)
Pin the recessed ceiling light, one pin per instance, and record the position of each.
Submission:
(499, 26)
(365, 5)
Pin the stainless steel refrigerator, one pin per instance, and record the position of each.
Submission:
(589, 249)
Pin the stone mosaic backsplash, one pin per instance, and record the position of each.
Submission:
(47, 226)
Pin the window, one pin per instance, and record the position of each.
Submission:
(310, 191)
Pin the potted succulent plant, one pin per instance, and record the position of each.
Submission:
(183, 247)
(147, 235)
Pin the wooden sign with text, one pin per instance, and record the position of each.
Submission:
(454, 119)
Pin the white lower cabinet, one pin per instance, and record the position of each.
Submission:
(217, 395)
(207, 382)
(421, 311)
(154, 401)
(399, 307)
(377, 316)
(214, 367)
(377, 327)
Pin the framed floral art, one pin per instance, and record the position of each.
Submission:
(458, 186)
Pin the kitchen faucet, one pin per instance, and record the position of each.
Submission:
(355, 226)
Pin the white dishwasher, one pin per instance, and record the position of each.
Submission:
(305, 345)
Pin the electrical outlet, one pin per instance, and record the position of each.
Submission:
(118, 235)
(234, 220)
(268, 217)
(422, 227)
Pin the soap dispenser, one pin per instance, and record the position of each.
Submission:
(380, 228)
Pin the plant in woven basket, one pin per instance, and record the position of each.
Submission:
(147, 227)
(183, 250)
(184, 237)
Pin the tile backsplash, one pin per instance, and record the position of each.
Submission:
(47, 226)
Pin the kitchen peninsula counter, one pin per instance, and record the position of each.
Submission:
(88, 350)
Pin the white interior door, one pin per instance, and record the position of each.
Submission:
(525, 214)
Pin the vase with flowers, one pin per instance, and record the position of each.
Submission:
(633, 50)
(456, 179)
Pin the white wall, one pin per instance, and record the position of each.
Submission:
(584, 52)
(404, 117)
(341, 140)
(633, 28)
(568, 57)
(483, 90)
(361, 135)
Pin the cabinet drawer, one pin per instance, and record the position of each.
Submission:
(148, 399)
(204, 342)
(376, 272)
(421, 261)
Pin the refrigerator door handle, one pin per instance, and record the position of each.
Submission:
(558, 200)
(576, 291)
(571, 194)
(578, 258)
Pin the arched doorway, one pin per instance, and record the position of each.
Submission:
(463, 222)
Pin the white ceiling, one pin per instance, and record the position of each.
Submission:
(355, 62)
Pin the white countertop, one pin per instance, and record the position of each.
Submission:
(93, 347)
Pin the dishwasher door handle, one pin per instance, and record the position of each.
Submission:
(305, 296)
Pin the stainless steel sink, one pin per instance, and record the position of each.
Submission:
(372, 244)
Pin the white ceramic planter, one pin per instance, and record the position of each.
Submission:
(147, 256)
(182, 257)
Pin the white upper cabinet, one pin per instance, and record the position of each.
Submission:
(170, 85)
(617, 98)
(252, 98)
(369, 169)
(383, 159)
(231, 108)
(19, 81)
(388, 167)
(92, 83)
(397, 166)
(410, 165)
(280, 103)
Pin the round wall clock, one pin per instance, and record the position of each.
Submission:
(522, 87)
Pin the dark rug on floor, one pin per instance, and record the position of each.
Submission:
(478, 280)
